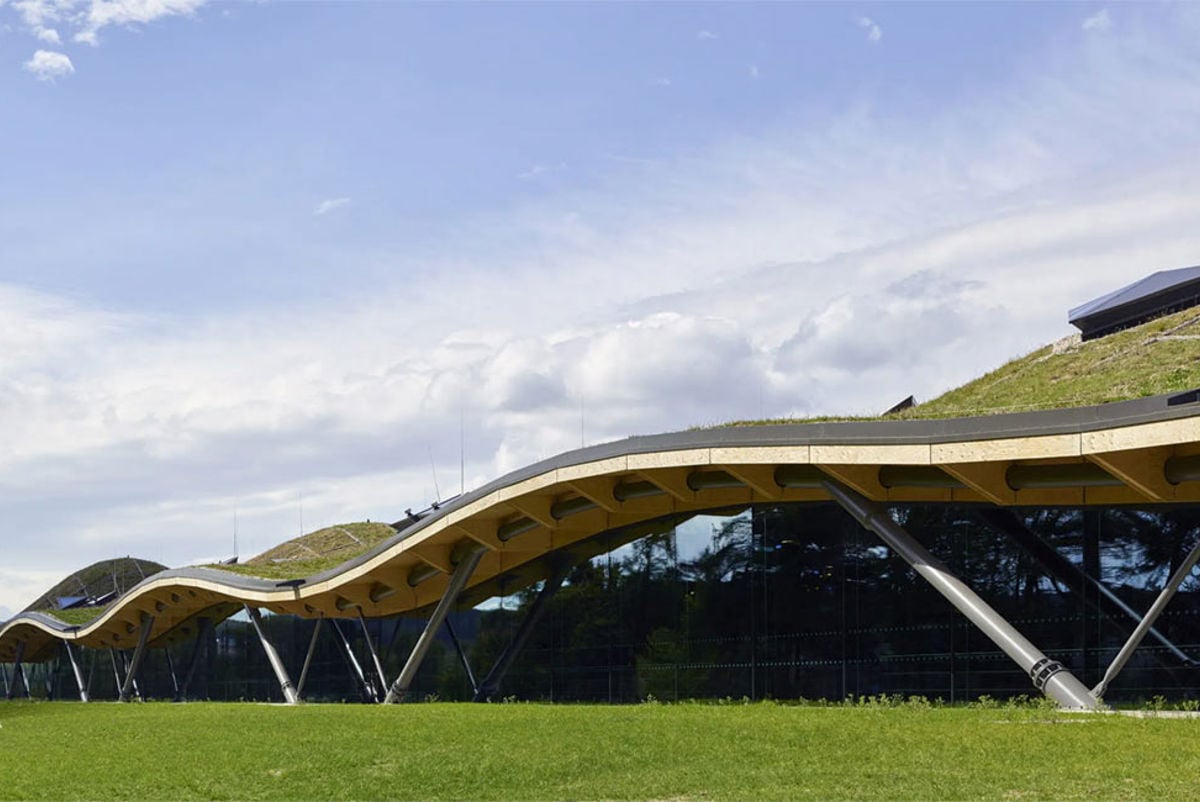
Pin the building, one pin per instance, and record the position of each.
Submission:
(1015, 553)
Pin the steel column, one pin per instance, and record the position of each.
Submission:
(83, 694)
(112, 656)
(458, 580)
(1068, 573)
(285, 683)
(312, 647)
(201, 645)
(19, 672)
(1047, 675)
(171, 669)
(369, 693)
(462, 656)
(491, 683)
(1181, 573)
(4, 673)
(371, 648)
(49, 673)
(138, 654)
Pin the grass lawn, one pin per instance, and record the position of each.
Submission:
(528, 751)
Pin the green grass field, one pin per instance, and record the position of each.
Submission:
(531, 751)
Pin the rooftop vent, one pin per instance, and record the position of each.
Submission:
(1154, 296)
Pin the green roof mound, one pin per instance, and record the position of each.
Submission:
(86, 593)
(1157, 357)
(314, 552)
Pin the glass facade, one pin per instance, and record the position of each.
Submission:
(782, 601)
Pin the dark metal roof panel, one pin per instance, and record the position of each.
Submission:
(1143, 288)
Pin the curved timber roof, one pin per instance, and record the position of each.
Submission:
(584, 502)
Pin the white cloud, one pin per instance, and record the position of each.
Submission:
(48, 65)
(1099, 21)
(874, 32)
(102, 13)
(662, 81)
(84, 19)
(533, 172)
(540, 170)
(329, 204)
(706, 36)
(754, 71)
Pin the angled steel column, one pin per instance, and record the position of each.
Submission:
(458, 580)
(368, 687)
(201, 645)
(138, 653)
(491, 683)
(462, 656)
(91, 670)
(171, 668)
(312, 647)
(1048, 675)
(1067, 572)
(124, 653)
(112, 656)
(371, 648)
(4, 673)
(1181, 573)
(17, 673)
(83, 694)
(285, 683)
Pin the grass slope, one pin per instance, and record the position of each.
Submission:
(1161, 356)
(98, 579)
(446, 751)
(314, 552)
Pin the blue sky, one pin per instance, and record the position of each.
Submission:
(267, 256)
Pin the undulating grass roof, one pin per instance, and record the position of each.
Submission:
(314, 552)
(1160, 356)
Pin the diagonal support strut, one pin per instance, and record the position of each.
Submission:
(1063, 570)
(83, 694)
(491, 683)
(458, 581)
(462, 656)
(312, 648)
(1181, 573)
(285, 682)
(1048, 675)
(138, 654)
(362, 620)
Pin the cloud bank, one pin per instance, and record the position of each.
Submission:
(83, 20)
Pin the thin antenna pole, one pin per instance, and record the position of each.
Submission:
(436, 490)
(235, 532)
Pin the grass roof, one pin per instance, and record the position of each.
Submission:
(1160, 356)
(76, 616)
(314, 552)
